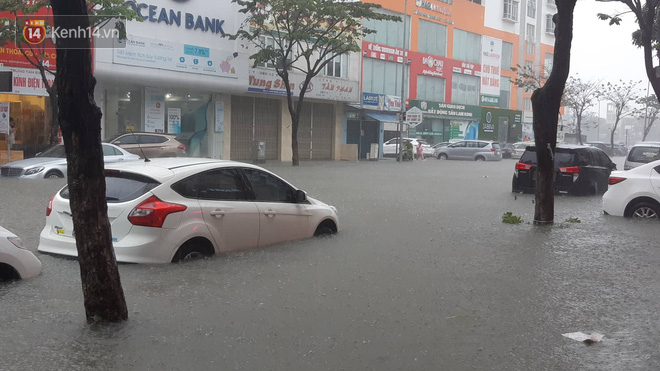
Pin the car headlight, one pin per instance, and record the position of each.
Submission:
(16, 241)
(34, 170)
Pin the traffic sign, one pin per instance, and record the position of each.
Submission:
(414, 116)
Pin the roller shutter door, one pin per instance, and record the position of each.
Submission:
(254, 120)
(315, 131)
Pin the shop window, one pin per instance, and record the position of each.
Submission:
(510, 12)
(529, 39)
(388, 33)
(431, 88)
(270, 43)
(337, 67)
(505, 92)
(465, 89)
(507, 55)
(464, 49)
(432, 38)
(381, 77)
(31, 119)
(531, 8)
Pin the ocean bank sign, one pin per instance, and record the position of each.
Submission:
(172, 17)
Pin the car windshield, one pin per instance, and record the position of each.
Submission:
(55, 151)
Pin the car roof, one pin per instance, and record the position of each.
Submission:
(649, 143)
(568, 146)
(163, 169)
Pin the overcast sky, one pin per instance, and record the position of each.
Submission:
(601, 51)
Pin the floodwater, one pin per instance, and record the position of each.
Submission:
(423, 275)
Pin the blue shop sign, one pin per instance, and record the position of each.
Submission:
(153, 13)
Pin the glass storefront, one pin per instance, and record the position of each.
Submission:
(173, 111)
(31, 117)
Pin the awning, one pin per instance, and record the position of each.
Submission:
(384, 117)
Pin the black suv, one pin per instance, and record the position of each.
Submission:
(579, 170)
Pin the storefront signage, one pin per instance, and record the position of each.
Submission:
(381, 102)
(446, 110)
(433, 7)
(4, 118)
(154, 111)
(268, 82)
(172, 17)
(174, 120)
(491, 54)
(382, 52)
(414, 116)
(168, 55)
(28, 81)
(489, 100)
(11, 56)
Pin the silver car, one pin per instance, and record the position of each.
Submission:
(476, 150)
(51, 163)
(642, 153)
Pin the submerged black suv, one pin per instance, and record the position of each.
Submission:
(579, 170)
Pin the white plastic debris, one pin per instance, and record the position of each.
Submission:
(581, 336)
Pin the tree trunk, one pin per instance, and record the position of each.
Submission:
(545, 105)
(295, 159)
(80, 120)
(53, 130)
(579, 131)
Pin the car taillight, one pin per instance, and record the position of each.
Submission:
(493, 149)
(615, 180)
(152, 212)
(181, 146)
(523, 166)
(570, 170)
(49, 209)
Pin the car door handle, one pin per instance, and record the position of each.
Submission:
(219, 213)
(270, 213)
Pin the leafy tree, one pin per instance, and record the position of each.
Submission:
(546, 102)
(101, 12)
(579, 96)
(647, 37)
(80, 120)
(623, 95)
(651, 112)
(307, 35)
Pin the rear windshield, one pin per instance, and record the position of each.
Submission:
(562, 157)
(122, 187)
(644, 154)
(496, 145)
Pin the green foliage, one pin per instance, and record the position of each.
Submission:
(572, 220)
(509, 218)
(311, 30)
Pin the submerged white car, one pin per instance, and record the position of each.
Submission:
(16, 261)
(173, 209)
(51, 163)
(634, 193)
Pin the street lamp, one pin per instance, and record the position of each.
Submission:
(403, 81)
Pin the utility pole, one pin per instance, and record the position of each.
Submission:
(403, 82)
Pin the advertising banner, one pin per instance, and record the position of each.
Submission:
(381, 102)
(329, 88)
(174, 120)
(154, 111)
(28, 81)
(447, 110)
(382, 52)
(173, 56)
(491, 63)
(4, 118)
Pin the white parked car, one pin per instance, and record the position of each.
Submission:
(519, 148)
(51, 163)
(634, 193)
(16, 261)
(390, 146)
(173, 209)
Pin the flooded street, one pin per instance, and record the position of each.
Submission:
(423, 275)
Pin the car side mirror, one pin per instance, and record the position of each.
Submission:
(300, 196)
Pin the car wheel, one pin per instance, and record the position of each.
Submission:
(326, 228)
(54, 175)
(442, 156)
(193, 249)
(480, 158)
(645, 210)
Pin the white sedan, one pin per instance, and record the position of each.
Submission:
(51, 163)
(173, 209)
(16, 262)
(634, 193)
